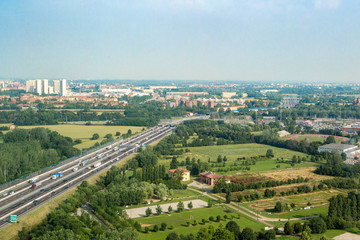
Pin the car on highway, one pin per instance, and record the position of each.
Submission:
(35, 202)
(5, 194)
(11, 192)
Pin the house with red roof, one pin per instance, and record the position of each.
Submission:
(210, 178)
(185, 173)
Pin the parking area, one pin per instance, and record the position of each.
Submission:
(140, 212)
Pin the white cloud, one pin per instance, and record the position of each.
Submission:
(327, 4)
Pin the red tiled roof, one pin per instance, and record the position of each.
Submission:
(213, 176)
(181, 169)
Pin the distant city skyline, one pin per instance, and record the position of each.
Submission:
(270, 40)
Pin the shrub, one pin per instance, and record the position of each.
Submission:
(156, 228)
(148, 212)
(218, 218)
(211, 218)
(195, 222)
(137, 226)
(203, 221)
(146, 230)
(163, 226)
(187, 223)
(210, 204)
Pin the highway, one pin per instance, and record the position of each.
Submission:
(24, 198)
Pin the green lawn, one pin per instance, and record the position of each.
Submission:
(179, 220)
(85, 132)
(234, 151)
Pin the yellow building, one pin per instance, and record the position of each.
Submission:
(228, 94)
(185, 173)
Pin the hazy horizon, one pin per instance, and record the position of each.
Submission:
(306, 41)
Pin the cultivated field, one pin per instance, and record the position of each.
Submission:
(85, 132)
(318, 199)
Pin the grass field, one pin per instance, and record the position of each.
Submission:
(179, 220)
(85, 132)
(234, 151)
(318, 199)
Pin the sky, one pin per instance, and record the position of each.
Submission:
(247, 40)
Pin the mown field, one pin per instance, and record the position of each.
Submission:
(178, 220)
(234, 151)
(85, 132)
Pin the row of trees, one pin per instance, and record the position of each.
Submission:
(222, 186)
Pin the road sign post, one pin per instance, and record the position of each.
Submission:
(13, 218)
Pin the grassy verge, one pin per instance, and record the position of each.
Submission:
(34, 217)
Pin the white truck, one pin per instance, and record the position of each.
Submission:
(34, 180)
(96, 164)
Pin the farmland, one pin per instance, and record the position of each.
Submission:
(317, 199)
(85, 132)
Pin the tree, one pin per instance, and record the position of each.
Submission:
(330, 139)
(269, 153)
(288, 228)
(158, 210)
(219, 159)
(109, 135)
(233, 227)
(180, 206)
(148, 212)
(173, 236)
(174, 163)
(222, 233)
(298, 227)
(129, 132)
(306, 234)
(170, 209)
(317, 225)
(247, 234)
(117, 134)
(225, 159)
(95, 136)
(156, 228)
(280, 206)
(270, 234)
(163, 226)
(228, 197)
(190, 205)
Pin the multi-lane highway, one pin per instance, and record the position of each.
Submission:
(23, 197)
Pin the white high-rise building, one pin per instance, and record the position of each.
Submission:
(38, 86)
(45, 86)
(63, 87)
(56, 86)
(30, 85)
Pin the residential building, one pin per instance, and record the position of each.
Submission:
(210, 178)
(38, 86)
(45, 86)
(56, 86)
(63, 87)
(185, 173)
